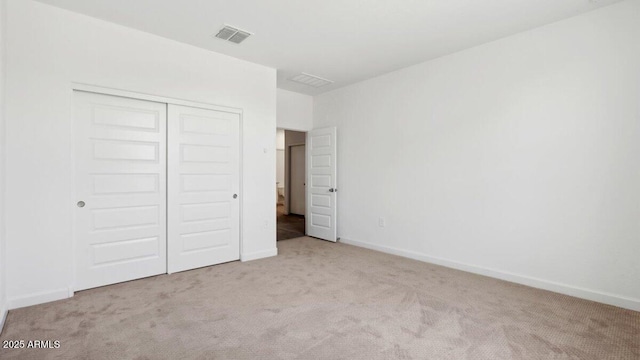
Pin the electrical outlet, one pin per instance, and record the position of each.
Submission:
(382, 222)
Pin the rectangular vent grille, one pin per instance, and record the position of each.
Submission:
(310, 80)
(239, 37)
(232, 34)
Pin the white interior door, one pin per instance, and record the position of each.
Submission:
(203, 183)
(297, 175)
(321, 184)
(120, 182)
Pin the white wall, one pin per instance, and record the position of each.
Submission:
(519, 159)
(295, 111)
(280, 158)
(47, 50)
(3, 302)
(280, 139)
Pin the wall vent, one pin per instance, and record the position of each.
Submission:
(310, 80)
(232, 34)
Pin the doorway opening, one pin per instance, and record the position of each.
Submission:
(290, 184)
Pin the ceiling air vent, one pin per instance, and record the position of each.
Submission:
(232, 34)
(310, 80)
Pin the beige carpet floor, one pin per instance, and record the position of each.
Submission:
(318, 300)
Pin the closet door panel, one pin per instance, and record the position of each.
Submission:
(120, 189)
(203, 187)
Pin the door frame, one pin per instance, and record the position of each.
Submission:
(287, 170)
(147, 97)
(287, 198)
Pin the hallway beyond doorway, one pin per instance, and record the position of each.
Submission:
(289, 226)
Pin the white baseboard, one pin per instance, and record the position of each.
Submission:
(3, 317)
(258, 254)
(39, 298)
(593, 295)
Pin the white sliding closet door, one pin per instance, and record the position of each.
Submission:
(120, 182)
(203, 184)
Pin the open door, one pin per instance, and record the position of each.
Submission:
(321, 184)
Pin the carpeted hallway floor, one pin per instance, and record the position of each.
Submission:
(318, 300)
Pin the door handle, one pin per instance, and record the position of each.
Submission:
(235, 196)
(333, 190)
(80, 204)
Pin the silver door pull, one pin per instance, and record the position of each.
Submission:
(235, 196)
(80, 204)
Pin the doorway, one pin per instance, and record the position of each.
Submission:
(291, 184)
